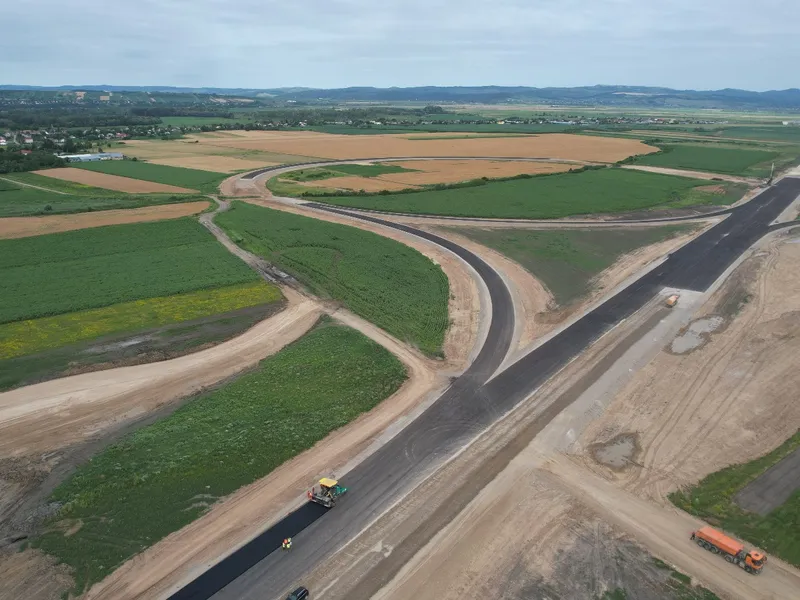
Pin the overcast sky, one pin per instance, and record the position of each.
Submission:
(700, 44)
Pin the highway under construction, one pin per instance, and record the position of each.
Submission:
(473, 402)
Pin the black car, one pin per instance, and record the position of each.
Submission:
(300, 593)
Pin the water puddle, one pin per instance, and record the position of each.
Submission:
(696, 335)
(617, 453)
(118, 345)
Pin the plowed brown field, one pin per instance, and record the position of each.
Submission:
(112, 182)
(428, 172)
(19, 227)
(559, 146)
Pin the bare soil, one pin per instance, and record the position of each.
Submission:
(555, 146)
(730, 400)
(112, 182)
(32, 575)
(18, 227)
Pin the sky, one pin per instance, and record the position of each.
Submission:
(685, 44)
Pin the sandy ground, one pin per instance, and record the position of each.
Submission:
(556, 146)
(693, 174)
(440, 171)
(18, 227)
(31, 574)
(731, 400)
(217, 164)
(111, 182)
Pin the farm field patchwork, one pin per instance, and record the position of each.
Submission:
(558, 146)
(63, 197)
(712, 499)
(26, 337)
(112, 182)
(131, 332)
(18, 227)
(568, 260)
(595, 191)
(732, 161)
(176, 176)
(414, 174)
(164, 476)
(91, 268)
(382, 280)
(201, 152)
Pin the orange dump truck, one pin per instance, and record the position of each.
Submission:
(733, 551)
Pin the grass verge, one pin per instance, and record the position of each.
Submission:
(712, 499)
(79, 270)
(546, 197)
(384, 281)
(166, 475)
(567, 260)
(26, 337)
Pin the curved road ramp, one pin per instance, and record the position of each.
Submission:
(471, 404)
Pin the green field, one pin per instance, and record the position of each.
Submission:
(567, 260)
(26, 337)
(547, 197)
(204, 181)
(732, 161)
(384, 281)
(713, 501)
(164, 476)
(778, 133)
(28, 202)
(91, 268)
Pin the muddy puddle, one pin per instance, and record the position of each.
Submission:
(618, 453)
(696, 335)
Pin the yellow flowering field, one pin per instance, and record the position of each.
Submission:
(27, 337)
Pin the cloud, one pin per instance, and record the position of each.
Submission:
(266, 43)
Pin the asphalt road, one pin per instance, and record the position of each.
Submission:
(772, 488)
(470, 405)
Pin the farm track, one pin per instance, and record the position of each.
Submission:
(36, 187)
(469, 407)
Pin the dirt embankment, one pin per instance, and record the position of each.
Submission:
(112, 182)
(18, 227)
(694, 174)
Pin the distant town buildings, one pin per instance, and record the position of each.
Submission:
(3, 141)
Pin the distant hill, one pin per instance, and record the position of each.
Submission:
(600, 95)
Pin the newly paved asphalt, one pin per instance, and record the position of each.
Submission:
(470, 405)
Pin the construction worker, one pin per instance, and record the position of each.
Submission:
(287, 544)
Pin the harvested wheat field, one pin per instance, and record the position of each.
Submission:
(19, 227)
(210, 162)
(428, 172)
(193, 147)
(112, 182)
(558, 146)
